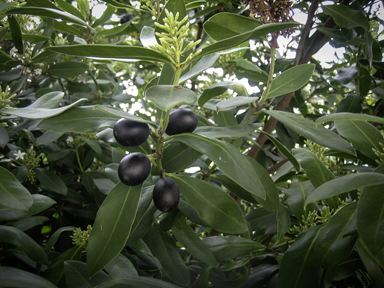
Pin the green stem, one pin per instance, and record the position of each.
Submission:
(78, 158)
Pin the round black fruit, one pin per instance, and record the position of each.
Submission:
(134, 169)
(166, 194)
(130, 133)
(181, 120)
(124, 18)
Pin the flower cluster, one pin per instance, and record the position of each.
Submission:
(80, 237)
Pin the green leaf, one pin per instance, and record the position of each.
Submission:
(233, 132)
(283, 222)
(48, 137)
(291, 80)
(147, 37)
(55, 236)
(213, 205)
(146, 282)
(260, 219)
(308, 129)
(80, 119)
(303, 273)
(233, 102)
(349, 117)
(332, 246)
(51, 181)
(344, 184)
(4, 137)
(219, 88)
(122, 114)
(40, 113)
(17, 37)
(12, 277)
(68, 69)
(229, 160)
(346, 75)
(346, 17)
(234, 188)
(203, 64)
(121, 267)
(30, 222)
(167, 96)
(45, 57)
(194, 245)
(112, 226)
(257, 74)
(229, 247)
(362, 135)
(63, 27)
(164, 248)
(114, 30)
(105, 16)
(40, 203)
(69, 8)
(371, 264)
(76, 275)
(18, 238)
(51, 13)
(110, 52)
(13, 195)
(177, 156)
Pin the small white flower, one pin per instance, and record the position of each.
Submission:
(69, 139)
(19, 154)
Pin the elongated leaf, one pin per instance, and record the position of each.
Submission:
(51, 13)
(67, 69)
(344, 184)
(346, 17)
(234, 102)
(177, 156)
(115, 30)
(110, 52)
(233, 132)
(146, 282)
(17, 37)
(13, 195)
(213, 205)
(80, 119)
(260, 219)
(29, 223)
(4, 137)
(229, 247)
(167, 96)
(203, 64)
(122, 114)
(55, 236)
(234, 188)
(303, 273)
(69, 8)
(370, 263)
(194, 245)
(283, 222)
(112, 226)
(51, 181)
(229, 160)
(164, 248)
(348, 117)
(308, 129)
(76, 275)
(291, 80)
(219, 88)
(331, 245)
(105, 16)
(362, 135)
(121, 267)
(40, 113)
(249, 69)
(18, 238)
(12, 277)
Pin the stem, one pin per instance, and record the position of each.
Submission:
(271, 71)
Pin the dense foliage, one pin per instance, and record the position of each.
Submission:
(279, 185)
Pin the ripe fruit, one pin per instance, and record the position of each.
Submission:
(166, 194)
(124, 18)
(134, 169)
(130, 133)
(182, 120)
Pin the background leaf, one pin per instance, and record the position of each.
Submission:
(167, 96)
(12, 277)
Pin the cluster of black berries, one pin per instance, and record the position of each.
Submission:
(135, 167)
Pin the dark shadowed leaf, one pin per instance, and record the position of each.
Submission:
(346, 17)
(51, 181)
(12, 277)
(121, 267)
(76, 275)
(146, 282)
(68, 69)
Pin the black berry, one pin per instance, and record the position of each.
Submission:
(166, 194)
(130, 133)
(134, 169)
(124, 18)
(181, 120)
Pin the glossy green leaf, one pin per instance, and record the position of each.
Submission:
(346, 75)
(233, 132)
(12, 277)
(110, 52)
(291, 80)
(203, 64)
(80, 119)
(146, 282)
(308, 129)
(51, 13)
(48, 137)
(17, 37)
(213, 205)
(24, 242)
(349, 117)
(257, 74)
(4, 137)
(260, 219)
(114, 30)
(13, 195)
(346, 17)
(370, 263)
(40, 203)
(45, 57)
(63, 27)
(219, 88)
(112, 226)
(234, 102)
(352, 103)
(51, 181)
(68, 69)
(303, 273)
(332, 245)
(55, 236)
(164, 248)
(105, 16)
(121, 267)
(167, 96)
(147, 37)
(194, 245)
(229, 247)
(234, 188)
(76, 275)
(177, 156)
(283, 221)
(122, 114)
(296, 196)
(229, 160)
(28, 223)
(362, 135)
(344, 184)
(69, 8)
